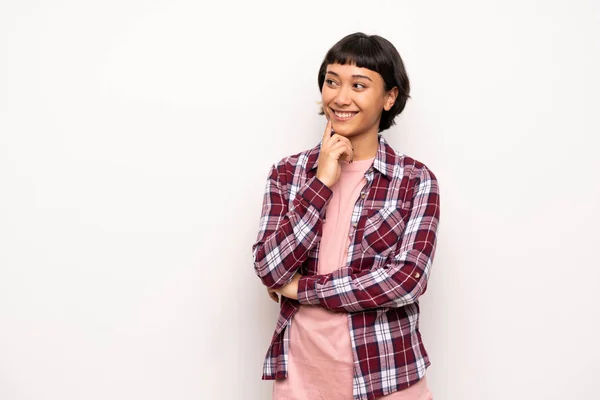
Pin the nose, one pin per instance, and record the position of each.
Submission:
(342, 98)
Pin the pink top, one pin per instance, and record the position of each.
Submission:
(320, 361)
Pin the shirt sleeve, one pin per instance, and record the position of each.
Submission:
(286, 234)
(401, 280)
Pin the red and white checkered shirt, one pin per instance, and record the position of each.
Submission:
(393, 234)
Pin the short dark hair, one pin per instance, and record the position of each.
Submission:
(377, 54)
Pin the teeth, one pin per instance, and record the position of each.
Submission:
(344, 115)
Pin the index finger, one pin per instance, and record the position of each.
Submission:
(328, 129)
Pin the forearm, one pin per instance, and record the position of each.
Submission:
(399, 284)
(286, 235)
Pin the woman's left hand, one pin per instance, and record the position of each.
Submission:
(290, 290)
(273, 295)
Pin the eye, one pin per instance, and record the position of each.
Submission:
(330, 82)
(361, 85)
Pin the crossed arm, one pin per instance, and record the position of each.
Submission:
(286, 236)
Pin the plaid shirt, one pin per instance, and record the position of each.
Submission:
(393, 239)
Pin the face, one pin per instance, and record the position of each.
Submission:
(354, 98)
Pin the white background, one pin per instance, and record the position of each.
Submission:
(135, 140)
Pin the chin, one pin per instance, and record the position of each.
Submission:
(345, 131)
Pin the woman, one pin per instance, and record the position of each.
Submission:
(347, 238)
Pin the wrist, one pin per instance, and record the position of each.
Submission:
(323, 181)
(306, 293)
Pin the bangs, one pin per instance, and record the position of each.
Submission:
(362, 52)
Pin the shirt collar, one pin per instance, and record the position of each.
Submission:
(384, 162)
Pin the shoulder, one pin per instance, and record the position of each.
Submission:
(295, 164)
(401, 167)
(413, 177)
(413, 169)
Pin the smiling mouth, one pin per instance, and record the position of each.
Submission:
(344, 115)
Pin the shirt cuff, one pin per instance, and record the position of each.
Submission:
(307, 293)
(316, 193)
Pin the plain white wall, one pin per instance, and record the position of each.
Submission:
(135, 139)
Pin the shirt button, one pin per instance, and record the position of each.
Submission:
(362, 195)
(417, 275)
(354, 225)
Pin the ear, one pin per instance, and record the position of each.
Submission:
(390, 98)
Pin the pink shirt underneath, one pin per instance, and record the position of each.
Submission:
(320, 359)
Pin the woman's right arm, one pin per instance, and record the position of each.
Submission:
(286, 234)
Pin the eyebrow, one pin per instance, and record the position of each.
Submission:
(354, 76)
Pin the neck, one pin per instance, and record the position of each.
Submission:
(365, 145)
